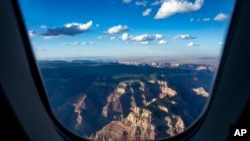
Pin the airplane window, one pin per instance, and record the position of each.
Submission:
(127, 69)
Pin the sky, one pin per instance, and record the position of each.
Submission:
(126, 28)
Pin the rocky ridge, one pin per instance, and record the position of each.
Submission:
(138, 124)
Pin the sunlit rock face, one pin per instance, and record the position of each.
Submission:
(137, 125)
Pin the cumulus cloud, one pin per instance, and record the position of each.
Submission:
(144, 37)
(201, 91)
(141, 39)
(127, 1)
(146, 12)
(220, 17)
(144, 42)
(88, 43)
(171, 7)
(112, 38)
(43, 26)
(117, 29)
(158, 36)
(72, 43)
(99, 37)
(79, 43)
(51, 37)
(184, 37)
(70, 29)
(141, 3)
(76, 43)
(191, 44)
(32, 33)
(125, 37)
(157, 2)
(161, 42)
(206, 19)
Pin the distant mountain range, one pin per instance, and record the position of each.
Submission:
(126, 100)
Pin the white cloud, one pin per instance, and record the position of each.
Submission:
(32, 33)
(161, 42)
(147, 37)
(206, 19)
(220, 17)
(144, 42)
(125, 37)
(97, 25)
(171, 7)
(146, 12)
(117, 29)
(201, 91)
(127, 1)
(43, 26)
(51, 37)
(143, 37)
(200, 19)
(72, 43)
(88, 43)
(91, 43)
(191, 44)
(141, 3)
(112, 38)
(99, 37)
(80, 26)
(158, 36)
(184, 37)
(78, 43)
(70, 29)
(75, 43)
(157, 2)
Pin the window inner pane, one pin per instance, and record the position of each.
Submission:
(127, 69)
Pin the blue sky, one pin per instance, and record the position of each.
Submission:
(126, 28)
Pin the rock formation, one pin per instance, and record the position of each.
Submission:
(136, 126)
